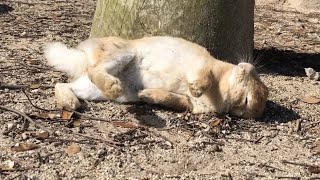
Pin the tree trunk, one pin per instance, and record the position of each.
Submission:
(224, 27)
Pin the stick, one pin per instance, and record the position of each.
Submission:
(109, 142)
(12, 86)
(288, 177)
(35, 106)
(15, 87)
(54, 139)
(91, 117)
(27, 118)
(299, 164)
(42, 67)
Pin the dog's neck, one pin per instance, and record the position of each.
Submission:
(220, 70)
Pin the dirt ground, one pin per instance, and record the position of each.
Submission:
(147, 142)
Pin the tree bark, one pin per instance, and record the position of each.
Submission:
(224, 27)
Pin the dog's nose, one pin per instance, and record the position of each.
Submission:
(246, 66)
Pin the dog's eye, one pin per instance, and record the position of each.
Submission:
(246, 101)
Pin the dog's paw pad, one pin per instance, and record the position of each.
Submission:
(195, 89)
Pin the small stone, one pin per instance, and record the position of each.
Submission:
(313, 20)
(312, 74)
(24, 136)
(23, 34)
(10, 125)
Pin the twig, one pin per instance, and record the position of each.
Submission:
(271, 167)
(297, 127)
(75, 112)
(41, 67)
(311, 125)
(35, 106)
(15, 87)
(298, 164)
(109, 142)
(27, 118)
(242, 139)
(314, 178)
(258, 140)
(12, 86)
(54, 139)
(10, 130)
(91, 117)
(101, 157)
(143, 143)
(288, 177)
(16, 177)
(31, 3)
(161, 136)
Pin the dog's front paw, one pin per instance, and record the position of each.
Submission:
(195, 89)
(113, 88)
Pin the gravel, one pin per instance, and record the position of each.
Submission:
(150, 142)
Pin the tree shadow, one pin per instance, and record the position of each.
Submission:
(5, 9)
(145, 114)
(276, 113)
(286, 62)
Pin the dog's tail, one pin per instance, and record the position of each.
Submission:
(72, 61)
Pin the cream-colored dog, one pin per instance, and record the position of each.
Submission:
(160, 70)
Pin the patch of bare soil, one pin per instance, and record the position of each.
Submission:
(137, 141)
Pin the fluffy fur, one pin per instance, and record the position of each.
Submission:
(162, 70)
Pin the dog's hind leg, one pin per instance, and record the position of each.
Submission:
(65, 97)
(104, 74)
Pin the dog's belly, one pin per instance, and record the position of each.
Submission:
(163, 64)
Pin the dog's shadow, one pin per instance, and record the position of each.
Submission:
(146, 115)
(5, 9)
(275, 113)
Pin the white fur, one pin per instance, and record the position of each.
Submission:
(85, 89)
(69, 60)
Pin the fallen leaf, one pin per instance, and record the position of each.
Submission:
(314, 169)
(41, 135)
(124, 124)
(9, 166)
(66, 115)
(76, 123)
(47, 115)
(316, 148)
(311, 100)
(72, 149)
(34, 86)
(24, 147)
(215, 123)
(33, 62)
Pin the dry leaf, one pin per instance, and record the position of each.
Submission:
(47, 115)
(316, 148)
(41, 135)
(33, 62)
(66, 115)
(24, 147)
(311, 100)
(34, 86)
(9, 166)
(76, 123)
(72, 149)
(215, 123)
(312, 74)
(314, 169)
(124, 124)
